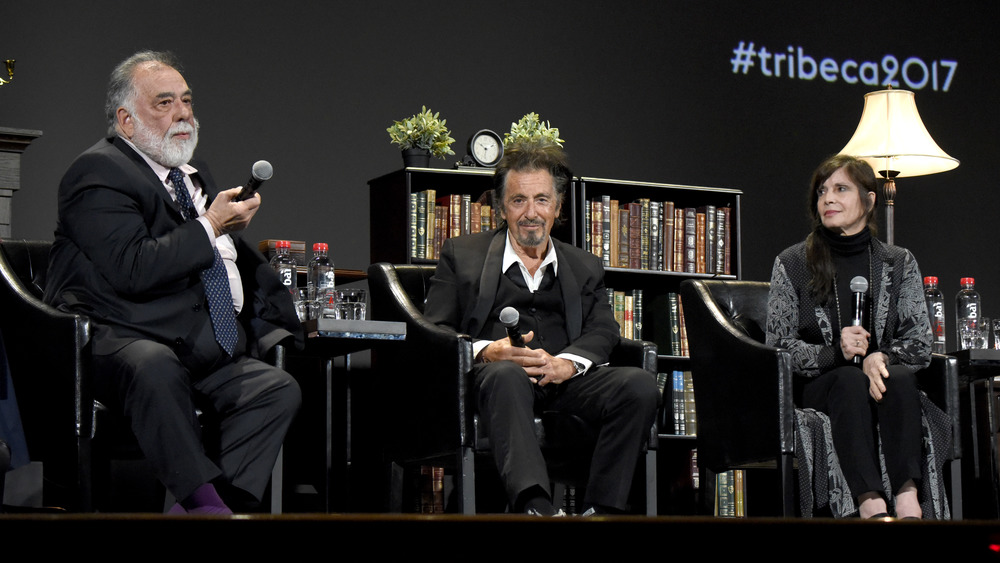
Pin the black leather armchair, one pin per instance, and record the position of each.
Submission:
(743, 388)
(430, 407)
(48, 351)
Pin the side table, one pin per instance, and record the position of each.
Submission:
(327, 340)
(978, 369)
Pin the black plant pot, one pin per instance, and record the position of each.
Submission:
(417, 157)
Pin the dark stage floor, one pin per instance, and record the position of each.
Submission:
(363, 536)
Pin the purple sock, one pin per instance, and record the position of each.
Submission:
(205, 500)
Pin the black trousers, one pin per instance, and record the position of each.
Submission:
(254, 402)
(856, 420)
(620, 401)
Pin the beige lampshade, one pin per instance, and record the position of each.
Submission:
(891, 136)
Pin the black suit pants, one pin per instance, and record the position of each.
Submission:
(253, 401)
(620, 402)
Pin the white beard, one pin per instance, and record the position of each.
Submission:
(166, 150)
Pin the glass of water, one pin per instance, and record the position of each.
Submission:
(975, 333)
(351, 304)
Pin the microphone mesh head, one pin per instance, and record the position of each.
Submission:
(859, 284)
(509, 316)
(262, 170)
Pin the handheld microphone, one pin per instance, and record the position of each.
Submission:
(261, 172)
(859, 285)
(510, 319)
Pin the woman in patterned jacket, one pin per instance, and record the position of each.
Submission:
(862, 377)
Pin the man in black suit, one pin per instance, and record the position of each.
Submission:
(146, 246)
(560, 295)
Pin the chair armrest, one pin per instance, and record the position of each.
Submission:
(635, 353)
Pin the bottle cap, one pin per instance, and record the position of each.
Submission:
(968, 281)
(282, 244)
(320, 246)
(930, 280)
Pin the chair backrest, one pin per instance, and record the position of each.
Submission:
(29, 263)
(743, 303)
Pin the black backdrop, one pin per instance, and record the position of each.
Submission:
(640, 90)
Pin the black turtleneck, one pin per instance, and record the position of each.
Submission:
(851, 256)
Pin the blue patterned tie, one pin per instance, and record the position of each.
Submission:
(215, 279)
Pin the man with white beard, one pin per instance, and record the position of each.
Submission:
(183, 310)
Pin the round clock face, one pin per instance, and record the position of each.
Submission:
(486, 148)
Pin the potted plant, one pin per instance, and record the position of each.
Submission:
(421, 136)
(531, 128)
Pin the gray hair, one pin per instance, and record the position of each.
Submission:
(121, 87)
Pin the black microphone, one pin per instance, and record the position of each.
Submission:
(859, 285)
(510, 319)
(261, 172)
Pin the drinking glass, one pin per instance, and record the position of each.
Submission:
(974, 333)
(351, 304)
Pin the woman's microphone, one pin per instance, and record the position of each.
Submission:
(859, 285)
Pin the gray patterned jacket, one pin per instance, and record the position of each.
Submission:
(797, 323)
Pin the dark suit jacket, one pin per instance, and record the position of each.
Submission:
(125, 257)
(464, 287)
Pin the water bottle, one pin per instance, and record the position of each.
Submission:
(968, 310)
(935, 309)
(284, 265)
(320, 278)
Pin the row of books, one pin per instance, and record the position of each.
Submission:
(430, 500)
(730, 494)
(434, 219)
(658, 235)
(677, 388)
(627, 306)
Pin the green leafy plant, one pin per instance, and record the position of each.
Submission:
(424, 130)
(531, 128)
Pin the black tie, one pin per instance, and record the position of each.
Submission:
(215, 279)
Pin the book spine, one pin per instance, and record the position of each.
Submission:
(413, 225)
(628, 317)
(422, 225)
(668, 235)
(710, 240)
(634, 235)
(615, 233)
(690, 239)
(619, 308)
(623, 237)
(655, 257)
(432, 223)
(699, 247)
(675, 327)
(637, 314)
(644, 240)
(727, 261)
(606, 231)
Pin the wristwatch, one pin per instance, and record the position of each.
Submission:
(579, 367)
